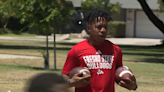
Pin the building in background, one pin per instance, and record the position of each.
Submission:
(137, 23)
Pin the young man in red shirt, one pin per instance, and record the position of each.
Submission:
(99, 55)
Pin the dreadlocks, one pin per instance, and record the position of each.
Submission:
(90, 16)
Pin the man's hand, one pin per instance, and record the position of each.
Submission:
(129, 84)
(77, 81)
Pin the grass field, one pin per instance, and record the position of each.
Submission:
(147, 63)
(19, 35)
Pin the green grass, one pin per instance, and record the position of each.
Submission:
(146, 68)
(19, 35)
(7, 67)
(147, 63)
(150, 54)
(32, 44)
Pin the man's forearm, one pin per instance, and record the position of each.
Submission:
(67, 79)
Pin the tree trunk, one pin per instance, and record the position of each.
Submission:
(157, 22)
(46, 62)
(6, 23)
(54, 46)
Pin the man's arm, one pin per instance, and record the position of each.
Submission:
(128, 83)
(77, 81)
(72, 61)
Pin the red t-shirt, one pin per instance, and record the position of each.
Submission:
(101, 60)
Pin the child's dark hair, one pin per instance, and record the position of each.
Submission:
(90, 16)
(44, 82)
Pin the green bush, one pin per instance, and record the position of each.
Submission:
(41, 30)
(5, 31)
(116, 29)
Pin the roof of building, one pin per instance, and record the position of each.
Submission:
(134, 4)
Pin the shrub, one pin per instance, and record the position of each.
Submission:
(116, 29)
(5, 31)
(41, 30)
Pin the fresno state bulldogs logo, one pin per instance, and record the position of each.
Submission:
(98, 61)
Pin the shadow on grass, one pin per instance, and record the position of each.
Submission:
(123, 47)
(142, 48)
(132, 49)
(10, 66)
(31, 47)
(143, 54)
(39, 68)
(66, 43)
(150, 60)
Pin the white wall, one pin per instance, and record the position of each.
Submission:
(129, 23)
(77, 3)
(145, 28)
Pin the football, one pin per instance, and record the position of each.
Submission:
(84, 70)
(122, 73)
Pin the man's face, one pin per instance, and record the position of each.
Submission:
(98, 30)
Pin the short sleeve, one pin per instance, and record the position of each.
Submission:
(119, 58)
(71, 62)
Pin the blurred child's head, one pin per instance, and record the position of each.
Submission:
(47, 82)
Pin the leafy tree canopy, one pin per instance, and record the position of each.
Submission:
(36, 12)
(161, 5)
(104, 4)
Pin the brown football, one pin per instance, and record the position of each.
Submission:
(122, 73)
(85, 71)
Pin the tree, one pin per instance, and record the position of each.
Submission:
(161, 5)
(42, 13)
(104, 4)
(6, 11)
(154, 19)
(45, 12)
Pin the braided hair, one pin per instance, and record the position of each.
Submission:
(90, 16)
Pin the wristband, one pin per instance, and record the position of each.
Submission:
(68, 81)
